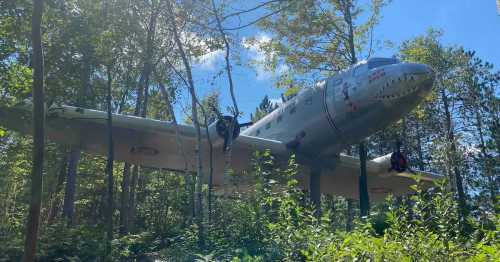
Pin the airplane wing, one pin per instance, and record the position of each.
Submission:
(148, 142)
(154, 143)
(344, 179)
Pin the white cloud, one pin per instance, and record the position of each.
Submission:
(209, 60)
(255, 44)
(259, 57)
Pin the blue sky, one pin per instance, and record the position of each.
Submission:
(473, 24)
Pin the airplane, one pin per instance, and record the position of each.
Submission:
(315, 125)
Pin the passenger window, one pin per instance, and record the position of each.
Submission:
(293, 110)
(268, 125)
(280, 117)
(258, 132)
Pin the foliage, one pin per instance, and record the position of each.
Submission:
(311, 38)
(275, 221)
(265, 107)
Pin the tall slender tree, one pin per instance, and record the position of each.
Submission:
(236, 112)
(110, 160)
(194, 116)
(33, 221)
(70, 189)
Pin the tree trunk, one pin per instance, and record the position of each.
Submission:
(496, 133)
(125, 186)
(55, 198)
(109, 164)
(141, 108)
(420, 153)
(462, 202)
(194, 115)
(364, 202)
(180, 147)
(129, 214)
(236, 113)
(70, 190)
(350, 203)
(210, 178)
(350, 34)
(486, 158)
(132, 201)
(33, 221)
(189, 208)
(350, 215)
(124, 200)
(211, 166)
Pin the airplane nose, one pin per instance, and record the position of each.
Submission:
(410, 79)
(421, 77)
(419, 70)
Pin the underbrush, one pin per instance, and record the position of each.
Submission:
(275, 222)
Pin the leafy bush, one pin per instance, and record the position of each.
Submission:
(79, 243)
(274, 221)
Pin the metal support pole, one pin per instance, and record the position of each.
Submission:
(315, 190)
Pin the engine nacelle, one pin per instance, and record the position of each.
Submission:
(219, 131)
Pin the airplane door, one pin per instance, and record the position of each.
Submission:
(331, 99)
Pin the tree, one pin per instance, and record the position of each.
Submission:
(109, 165)
(54, 194)
(73, 36)
(38, 135)
(236, 112)
(143, 37)
(265, 107)
(481, 105)
(318, 37)
(194, 116)
(69, 193)
(210, 113)
(454, 93)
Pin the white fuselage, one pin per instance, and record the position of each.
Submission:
(343, 109)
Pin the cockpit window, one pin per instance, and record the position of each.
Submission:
(378, 62)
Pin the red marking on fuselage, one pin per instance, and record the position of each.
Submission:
(376, 75)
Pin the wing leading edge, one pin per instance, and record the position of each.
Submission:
(148, 142)
(154, 143)
(344, 179)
